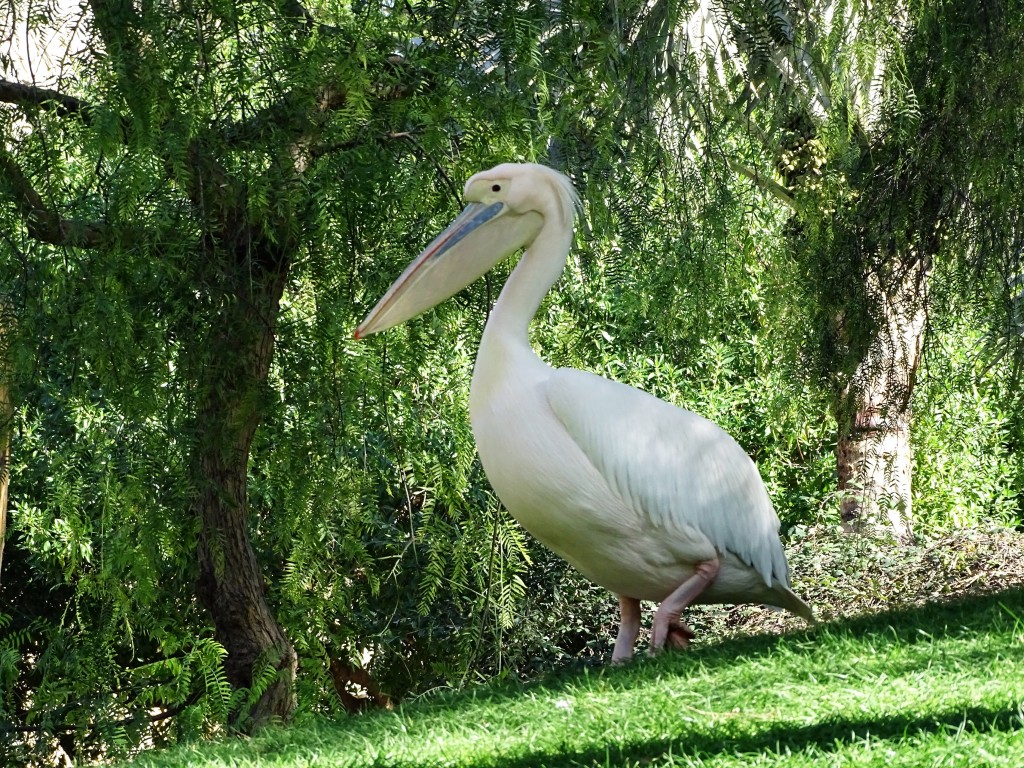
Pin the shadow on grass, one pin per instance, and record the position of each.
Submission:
(962, 618)
(998, 612)
(999, 616)
(830, 736)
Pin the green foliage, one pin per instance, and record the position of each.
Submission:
(965, 474)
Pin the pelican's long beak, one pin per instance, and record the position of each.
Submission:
(481, 236)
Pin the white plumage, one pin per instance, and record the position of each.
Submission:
(648, 500)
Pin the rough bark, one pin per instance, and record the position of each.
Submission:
(6, 421)
(874, 457)
(231, 584)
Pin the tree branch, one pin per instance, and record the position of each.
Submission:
(289, 114)
(295, 9)
(292, 116)
(767, 184)
(44, 223)
(6, 421)
(148, 717)
(238, 135)
(26, 96)
(418, 148)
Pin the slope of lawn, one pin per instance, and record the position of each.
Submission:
(934, 685)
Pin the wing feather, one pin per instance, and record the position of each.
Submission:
(675, 467)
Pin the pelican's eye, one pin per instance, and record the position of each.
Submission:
(496, 188)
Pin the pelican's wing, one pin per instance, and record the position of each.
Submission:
(675, 467)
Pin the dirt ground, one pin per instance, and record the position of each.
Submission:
(842, 574)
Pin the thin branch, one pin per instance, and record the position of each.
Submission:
(297, 10)
(44, 223)
(251, 131)
(6, 421)
(767, 184)
(292, 115)
(149, 717)
(418, 148)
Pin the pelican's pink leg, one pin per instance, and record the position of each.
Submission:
(629, 628)
(667, 626)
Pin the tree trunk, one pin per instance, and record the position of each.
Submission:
(6, 417)
(6, 423)
(873, 451)
(231, 585)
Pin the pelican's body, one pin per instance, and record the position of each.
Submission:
(648, 500)
(592, 517)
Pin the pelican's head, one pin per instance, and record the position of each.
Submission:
(506, 207)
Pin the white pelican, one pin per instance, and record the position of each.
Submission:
(646, 499)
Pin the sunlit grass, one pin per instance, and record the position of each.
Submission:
(940, 685)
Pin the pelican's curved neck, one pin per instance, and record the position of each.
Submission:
(505, 358)
(538, 269)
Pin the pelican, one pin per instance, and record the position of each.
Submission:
(648, 500)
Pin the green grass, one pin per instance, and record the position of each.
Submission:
(939, 685)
